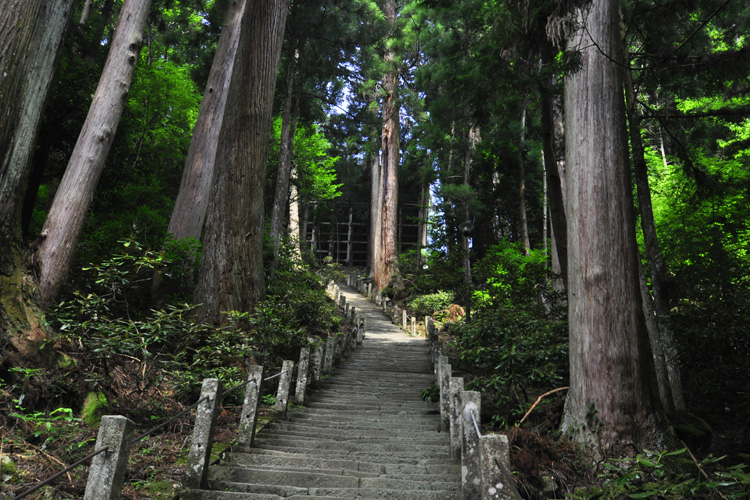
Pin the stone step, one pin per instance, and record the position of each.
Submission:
(350, 441)
(352, 495)
(370, 458)
(291, 476)
(350, 446)
(337, 431)
(398, 490)
(317, 463)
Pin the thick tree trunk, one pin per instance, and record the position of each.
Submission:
(281, 194)
(612, 401)
(662, 342)
(31, 39)
(387, 250)
(232, 277)
(189, 211)
(66, 217)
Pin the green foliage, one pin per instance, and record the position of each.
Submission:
(510, 353)
(668, 475)
(93, 408)
(508, 278)
(46, 428)
(433, 304)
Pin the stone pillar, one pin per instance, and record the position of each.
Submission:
(328, 363)
(456, 395)
(196, 470)
(336, 294)
(317, 361)
(285, 381)
(107, 472)
(361, 330)
(302, 369)
(413, 326)
(404, 320)
(249, 416)
(444, 379)
(494, 459)
(471, 481)
(432, 337)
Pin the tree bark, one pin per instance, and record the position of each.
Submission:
(387, 250)
(662, 342)
(281, 194)
(611, 402)
(189, 211)
(31, 39)
(66, 217)
(232, 277)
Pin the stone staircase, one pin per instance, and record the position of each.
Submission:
(364, 434)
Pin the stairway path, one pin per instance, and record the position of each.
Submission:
(364, 434)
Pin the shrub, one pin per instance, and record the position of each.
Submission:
(510, 353)
(431, 304)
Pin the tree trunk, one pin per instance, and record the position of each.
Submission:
(294, 220)
(31, 39)
(522, 184)
(374, 243)
(612, 401)
(66, 217)
(669, 380)
(555, 185)
(232, 276)
(281, 195)
(387, 251)
(189, 211)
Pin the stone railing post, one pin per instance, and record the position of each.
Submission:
(328, 363)
(196, 471)
(471, 481)
(444, 378)
(494, 458)
(361, 329)
(432, 337)
(107, 472)
(317, 361)
(456, 395)
(302, 369)
(249, 416)
(285, 381)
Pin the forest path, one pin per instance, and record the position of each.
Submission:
(364, 434)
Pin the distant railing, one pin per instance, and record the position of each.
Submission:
(113, 443)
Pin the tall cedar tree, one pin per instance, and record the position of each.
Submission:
(612, 400)
(31, 36)
(386, 251)
(232, 277)
(64, 223)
